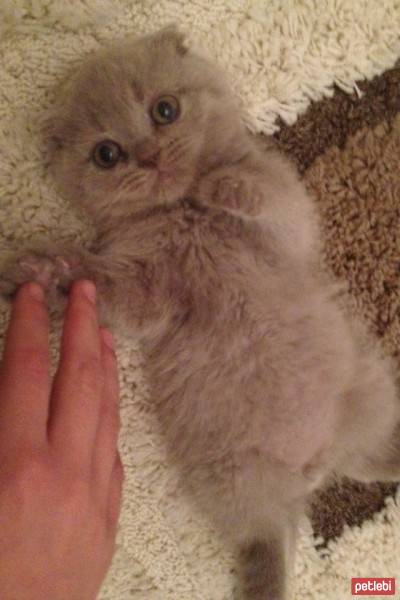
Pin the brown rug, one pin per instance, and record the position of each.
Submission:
(348, 148)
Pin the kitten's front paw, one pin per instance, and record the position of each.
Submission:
(51, 272)
(227, 191)
(219, 190)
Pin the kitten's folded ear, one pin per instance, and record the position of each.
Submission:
(171, 35)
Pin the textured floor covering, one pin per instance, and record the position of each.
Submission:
(280, 57)
(349, 150)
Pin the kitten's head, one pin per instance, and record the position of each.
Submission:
(139, 123)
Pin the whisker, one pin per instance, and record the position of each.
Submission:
(178, 147)
(133, 181)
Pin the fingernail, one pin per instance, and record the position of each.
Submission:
(108, 339)
(36, 291)
(89, 290)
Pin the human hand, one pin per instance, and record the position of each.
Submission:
(60, 471)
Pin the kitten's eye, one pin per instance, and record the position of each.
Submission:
(106, 154)
(165, 110)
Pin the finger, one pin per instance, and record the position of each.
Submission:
(115, 494)
(25, 377)
(109, 423)
(78, 384)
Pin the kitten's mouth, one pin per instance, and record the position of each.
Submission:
(158, 177)
(161, 180)
(164, 176)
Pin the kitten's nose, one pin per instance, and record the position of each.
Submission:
(147, 154)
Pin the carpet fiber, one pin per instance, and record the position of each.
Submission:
(305, 72)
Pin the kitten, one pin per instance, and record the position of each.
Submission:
(207, 250)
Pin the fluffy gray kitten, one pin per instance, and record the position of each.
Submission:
(207, 250)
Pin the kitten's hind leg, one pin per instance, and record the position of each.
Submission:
(387, 466)
(381, 465)
(370, 440)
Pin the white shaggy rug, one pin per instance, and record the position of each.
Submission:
(280, 55)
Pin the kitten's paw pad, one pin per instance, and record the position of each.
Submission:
(37, 268)
(220, 191)
(232, 193)
(240, 195)
(50, 272)
(228, 192)
(224, 191)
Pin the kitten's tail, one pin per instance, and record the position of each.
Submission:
(263, 569)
